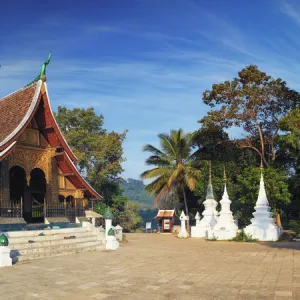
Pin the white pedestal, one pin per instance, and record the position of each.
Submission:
(183, 234)
(5, 260)
(200, 231)
(264, 232)
(221, 234)
(112, 243)
(209, 220)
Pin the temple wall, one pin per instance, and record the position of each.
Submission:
(32, 151)
(30, 158)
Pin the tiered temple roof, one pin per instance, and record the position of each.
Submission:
(18, 109)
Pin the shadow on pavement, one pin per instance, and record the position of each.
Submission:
(282, 245)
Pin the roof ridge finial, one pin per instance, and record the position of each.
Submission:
(43, 70)
(42, 75)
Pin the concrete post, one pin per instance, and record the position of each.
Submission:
(108, 224)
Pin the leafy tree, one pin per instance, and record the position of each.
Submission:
(174, 166)
(99, 152)
(125, 212)
(289, 142)
(129, 218)
(290, 139)
(254, 101)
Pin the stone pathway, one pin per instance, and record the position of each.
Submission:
(157, 266)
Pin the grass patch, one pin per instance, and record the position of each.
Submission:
(214, 238)
(244, 237)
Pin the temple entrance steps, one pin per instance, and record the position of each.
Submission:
(28, 245)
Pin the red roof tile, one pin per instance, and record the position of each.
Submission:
(16, 111)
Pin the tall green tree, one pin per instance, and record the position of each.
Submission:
(174, 166)
(254, 102)
(290, 144)
(99, 152)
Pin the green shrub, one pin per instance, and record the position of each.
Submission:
(244, 237)
(295, 226)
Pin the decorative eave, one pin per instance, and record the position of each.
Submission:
(71, 172)
(7, 151)
(54, 124)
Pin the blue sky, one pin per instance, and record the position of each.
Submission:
(144, 64)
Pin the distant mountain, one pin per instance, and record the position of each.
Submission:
(135, 190)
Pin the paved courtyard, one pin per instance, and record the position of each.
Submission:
(156, 266)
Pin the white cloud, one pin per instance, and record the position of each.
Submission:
(291, 10)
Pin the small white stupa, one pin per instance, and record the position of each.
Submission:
(210, 214)
(226, 227)
(263, 226)
(183, 232)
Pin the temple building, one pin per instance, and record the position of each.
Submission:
(38, 174)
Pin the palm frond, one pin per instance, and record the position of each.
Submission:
(156, 185)
(190, 182)
(161, 194)
(174, 178)
(152, 149)
(158, 161)
(167, 145)
(155, 173)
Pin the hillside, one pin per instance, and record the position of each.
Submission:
(135, 190)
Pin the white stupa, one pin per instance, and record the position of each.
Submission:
(263, 226)
(183, 232)
(226, 227)
(210, 214)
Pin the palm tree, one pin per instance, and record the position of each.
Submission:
(175, 166)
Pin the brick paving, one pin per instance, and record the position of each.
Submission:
(158, 266)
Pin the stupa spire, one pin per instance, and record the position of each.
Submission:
(209, 193)
(262, 196)
(225, 194)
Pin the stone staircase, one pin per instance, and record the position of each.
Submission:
(28, 245)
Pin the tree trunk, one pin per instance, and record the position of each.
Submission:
(186, 211)
(278, 219)
(262, 144)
